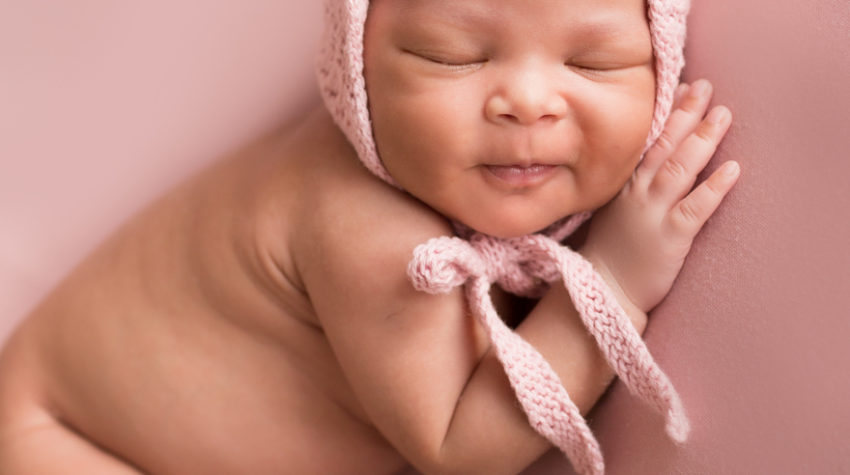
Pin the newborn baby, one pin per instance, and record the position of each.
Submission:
(279, 313)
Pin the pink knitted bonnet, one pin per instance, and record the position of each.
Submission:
(524, 265)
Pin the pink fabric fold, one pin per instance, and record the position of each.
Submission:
(524, 266)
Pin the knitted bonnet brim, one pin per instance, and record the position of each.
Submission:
(521, 265)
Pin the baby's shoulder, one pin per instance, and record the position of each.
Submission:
(338, 215)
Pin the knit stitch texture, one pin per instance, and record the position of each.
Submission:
(526, 265)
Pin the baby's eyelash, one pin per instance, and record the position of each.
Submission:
(448, 63)
(589, 66)
(605, 64)
(594, 70)
(459, 66)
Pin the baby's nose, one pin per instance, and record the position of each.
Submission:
(526, 97)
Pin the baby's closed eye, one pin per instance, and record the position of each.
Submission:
(604, 64)
(447, 59)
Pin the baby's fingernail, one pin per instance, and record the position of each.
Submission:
(700, 88)
(718, 115)
(730, 168)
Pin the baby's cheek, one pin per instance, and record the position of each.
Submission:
(407, 131)
(437, 124)
(625, 150)
(602, 182)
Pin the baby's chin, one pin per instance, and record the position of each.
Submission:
(507, 226)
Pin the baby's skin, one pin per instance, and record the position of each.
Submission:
(258, 318)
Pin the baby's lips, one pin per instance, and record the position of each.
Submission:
(521, 176)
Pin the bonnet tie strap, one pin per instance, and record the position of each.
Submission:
(525, 266)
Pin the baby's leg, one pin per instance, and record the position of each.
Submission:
(32, 440)
(47, 447)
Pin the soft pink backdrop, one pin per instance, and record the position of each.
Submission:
(104, 105)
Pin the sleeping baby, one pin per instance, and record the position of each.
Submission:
(351, 294)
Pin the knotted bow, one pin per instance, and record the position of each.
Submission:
(526, 266)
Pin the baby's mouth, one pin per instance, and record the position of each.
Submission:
(521, 175)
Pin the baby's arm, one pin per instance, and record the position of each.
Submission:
(419, 365)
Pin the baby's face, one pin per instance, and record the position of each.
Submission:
(507, 115)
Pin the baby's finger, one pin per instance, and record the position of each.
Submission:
(683, 120)
(679, 93)
(690, 214)
(677, 174)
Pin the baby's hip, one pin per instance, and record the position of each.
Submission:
(210, 400)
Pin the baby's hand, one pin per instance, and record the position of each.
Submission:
(639, 241)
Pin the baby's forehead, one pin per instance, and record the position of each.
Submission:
(527, 17)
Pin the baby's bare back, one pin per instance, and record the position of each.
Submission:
(185, 345)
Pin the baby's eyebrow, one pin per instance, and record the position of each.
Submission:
(606, 25)
(600, 28)
(612, 24)
(464, 17)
